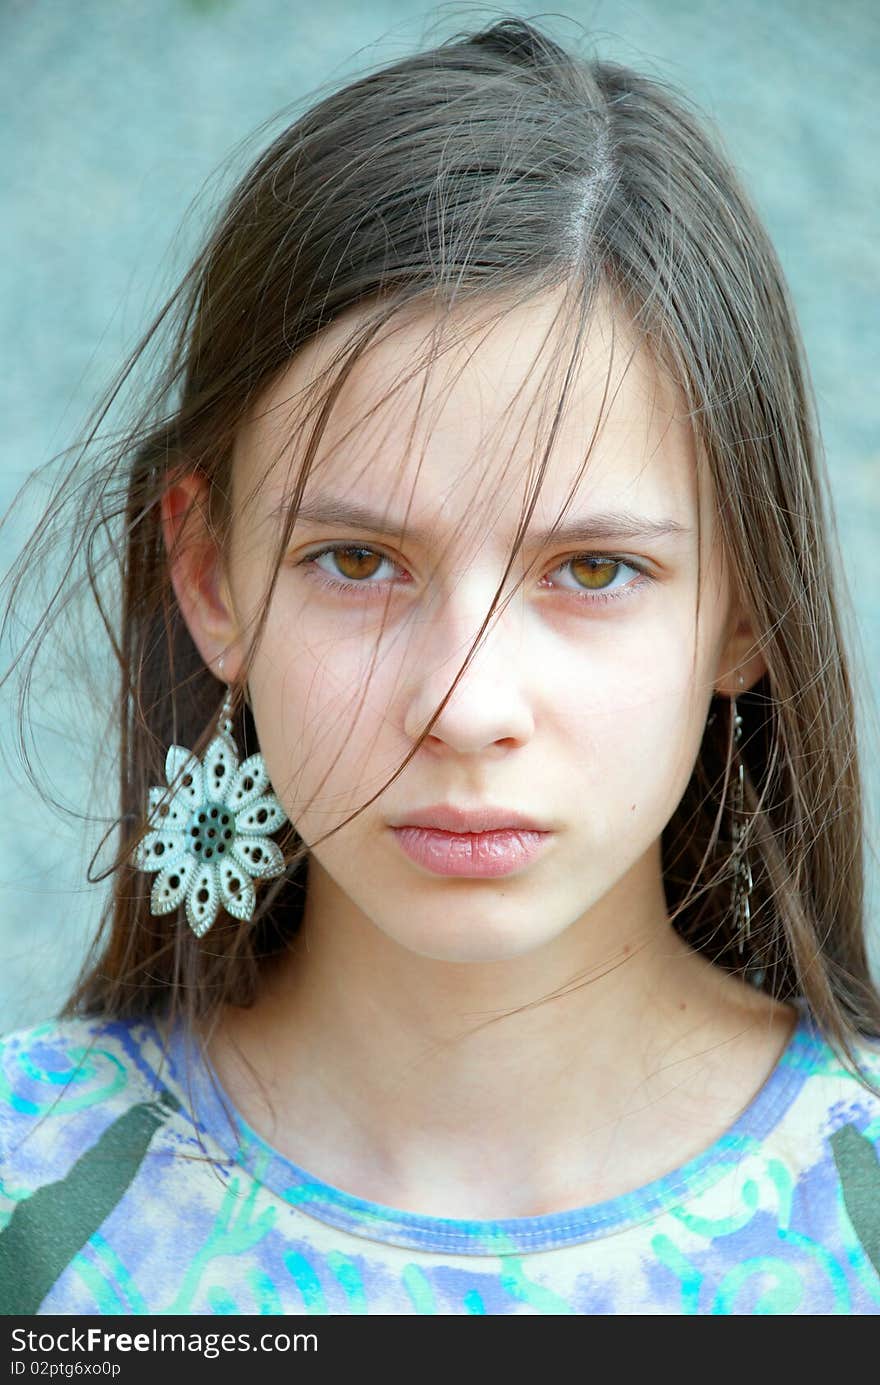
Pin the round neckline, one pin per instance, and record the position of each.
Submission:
(216, 1116)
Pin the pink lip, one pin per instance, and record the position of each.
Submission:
(446, 818)
(471, 853)
(475, 842)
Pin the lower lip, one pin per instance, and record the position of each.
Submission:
(472, 854)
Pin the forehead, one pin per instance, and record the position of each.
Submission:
(466, 436)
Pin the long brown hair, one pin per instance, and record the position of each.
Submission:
(485, 170)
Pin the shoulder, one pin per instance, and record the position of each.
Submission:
(63, 1084)
(91, 1120)
(89, 1058)
(834, 1117)
(828, 1076)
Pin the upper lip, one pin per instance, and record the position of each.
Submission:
(448, 818)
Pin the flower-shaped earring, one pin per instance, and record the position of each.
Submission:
(209, 831)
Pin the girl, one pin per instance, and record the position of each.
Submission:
(486, 932)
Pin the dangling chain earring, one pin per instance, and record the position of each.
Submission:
(742, 873)
(209, 830)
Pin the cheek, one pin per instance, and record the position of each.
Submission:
(321, 701)
(632, 727)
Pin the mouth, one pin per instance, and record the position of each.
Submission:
(473, 855)
(447, 817)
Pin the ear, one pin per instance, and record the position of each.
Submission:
(197, 575)
(739, 658)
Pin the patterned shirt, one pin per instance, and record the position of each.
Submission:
(124, 1189)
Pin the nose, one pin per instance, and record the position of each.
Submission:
(491, 704)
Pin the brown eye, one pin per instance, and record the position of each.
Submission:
(357, 563)
(593, 572)
(353, 566)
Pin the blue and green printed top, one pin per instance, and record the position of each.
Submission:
(126, 1187)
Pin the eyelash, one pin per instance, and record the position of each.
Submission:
(598, 598)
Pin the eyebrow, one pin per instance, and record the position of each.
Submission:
(604, 524)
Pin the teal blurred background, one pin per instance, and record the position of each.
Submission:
(113, 118)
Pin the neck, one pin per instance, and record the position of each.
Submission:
(495, 1088)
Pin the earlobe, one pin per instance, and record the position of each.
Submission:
(196, 570)
(741, 663)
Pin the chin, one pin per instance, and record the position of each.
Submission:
(478, 945)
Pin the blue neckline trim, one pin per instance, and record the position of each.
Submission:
(216, 1116)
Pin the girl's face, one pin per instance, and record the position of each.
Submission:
(585, 704)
